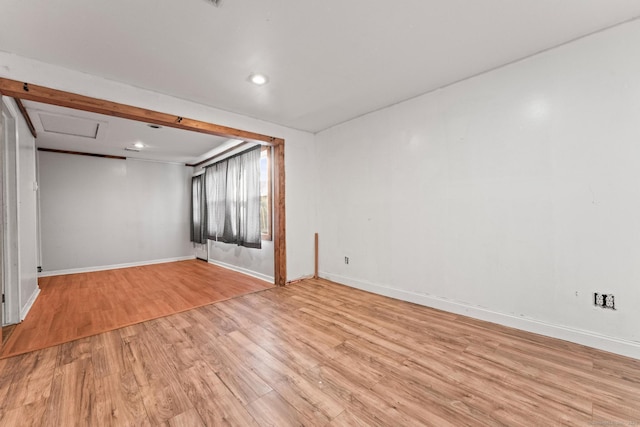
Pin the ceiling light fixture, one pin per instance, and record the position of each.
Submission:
(138, 145)
(152, 126)
(258, 79)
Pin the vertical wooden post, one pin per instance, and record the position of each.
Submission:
(315, 275)
(279, 219)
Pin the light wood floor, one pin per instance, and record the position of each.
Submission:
(316, 353)
(80, 305)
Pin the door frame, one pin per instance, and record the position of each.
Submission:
(31, 92)
(10, 216)
(2, 227)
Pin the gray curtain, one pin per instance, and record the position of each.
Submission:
(198, 210)
(233, 199)
(215, 194)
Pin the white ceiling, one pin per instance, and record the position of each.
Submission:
(328, 61)
(115, 134)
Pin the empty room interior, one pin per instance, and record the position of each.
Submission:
(243, 212)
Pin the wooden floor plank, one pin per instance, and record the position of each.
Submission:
(30, 415)
(273, 410)
(239, 377)
(37, 369)
(315, 353)
(287, 349)
(308, 399)
(212, 400)
(72, 379)
(347, 419)
(119, 401)
(188, 418)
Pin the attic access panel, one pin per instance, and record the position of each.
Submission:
(66, 125)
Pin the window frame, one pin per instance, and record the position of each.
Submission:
(268, 235)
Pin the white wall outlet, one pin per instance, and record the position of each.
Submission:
(604, 300)
(609, 301)
(598, 299)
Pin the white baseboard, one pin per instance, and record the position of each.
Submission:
(242, 270)
(25, 310)
(113, 267)
(579, 336)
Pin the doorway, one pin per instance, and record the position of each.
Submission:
(45, 95)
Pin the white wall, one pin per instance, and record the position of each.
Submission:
(512, 196)
(258, 262)
(99, 212)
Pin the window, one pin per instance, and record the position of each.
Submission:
(265, 193)
(197, 210)
(232, 194)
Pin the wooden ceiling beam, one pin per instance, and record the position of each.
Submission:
(81, 153)
(220, 154)
(26, 116)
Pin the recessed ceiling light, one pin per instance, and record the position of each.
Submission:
(138, 145)
(258, 79)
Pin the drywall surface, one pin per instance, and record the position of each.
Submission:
(513, 196)
(102, 212)
(258, 262)
(300, 160)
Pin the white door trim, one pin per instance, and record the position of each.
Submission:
(11, 217)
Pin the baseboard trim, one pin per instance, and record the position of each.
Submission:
(32, 299)
(242, 270)
(579, 336)
(113, 266)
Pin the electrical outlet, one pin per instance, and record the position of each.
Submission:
(609, 302)
(346, 260)
(598, 299)
(604, 300)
